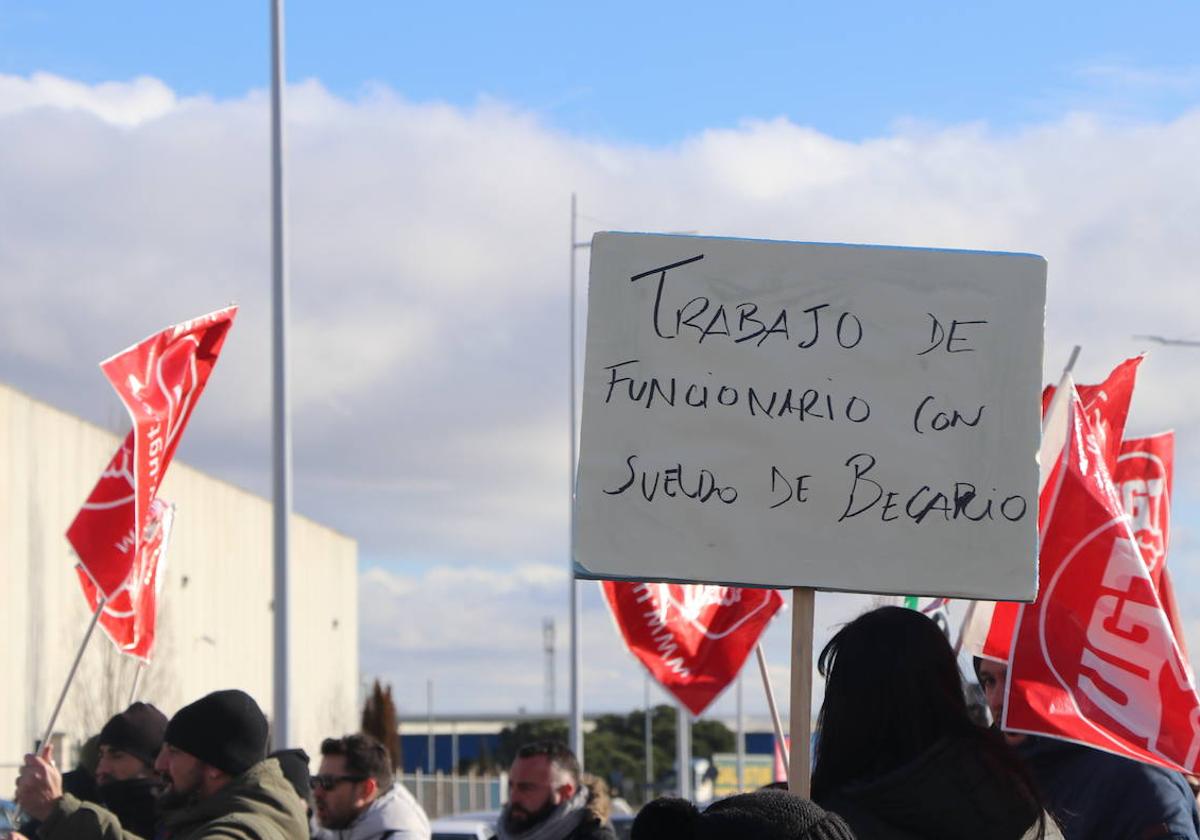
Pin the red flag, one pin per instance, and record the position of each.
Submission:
(1094, 659)
(129, 617)
(1144, 480)
(159, 381)
(693, 638)
(1107, 407)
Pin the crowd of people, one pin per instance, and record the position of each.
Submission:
(899, 757)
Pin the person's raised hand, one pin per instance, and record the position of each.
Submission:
(39, 785)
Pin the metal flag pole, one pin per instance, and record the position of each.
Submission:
(87, 637)
(775, 720)
(576, 723)
(741, 737)
(18, 817)
(648, 737)
(281, 422)
(137, 681)
(683, 750)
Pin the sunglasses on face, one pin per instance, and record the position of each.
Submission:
(328, 781)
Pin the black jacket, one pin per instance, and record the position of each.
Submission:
(946, 794)
(133, 803)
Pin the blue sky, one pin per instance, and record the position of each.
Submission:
(652, 72)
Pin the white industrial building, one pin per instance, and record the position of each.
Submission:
(215, 616)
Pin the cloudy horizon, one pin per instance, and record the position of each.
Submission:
(428, 248)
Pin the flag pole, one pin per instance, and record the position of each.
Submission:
(800, 716)
(775, 720)
(648, 737)
(683, 750)
(45, 739)
(137, 679)
(741, 735)
(281, 421)
(71, 674)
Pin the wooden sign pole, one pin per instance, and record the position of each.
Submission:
(800, 724)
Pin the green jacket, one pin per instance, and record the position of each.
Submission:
(260, 804)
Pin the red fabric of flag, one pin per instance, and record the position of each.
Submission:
(159, 380)
(1107, 407)
(130, 616)
(692, 638)
(1094, 659)
(1145, 480)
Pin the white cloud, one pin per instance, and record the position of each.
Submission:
(125, 104)
(428, 249)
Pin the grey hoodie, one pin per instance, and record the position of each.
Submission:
(394, 815)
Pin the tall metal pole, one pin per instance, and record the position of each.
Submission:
(576, 726)
(741, 736)
(431, 741)
(683, 751)
(281, 421)
(649, 738)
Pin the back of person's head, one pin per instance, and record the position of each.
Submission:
(89, 755)
(557, 753)
(226, 730)
(138, 731)
(763, 815)
(892, 690)
(294, 764)
(364, 756)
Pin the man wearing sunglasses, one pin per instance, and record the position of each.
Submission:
(358, 798)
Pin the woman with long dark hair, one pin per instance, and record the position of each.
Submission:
(898, 755)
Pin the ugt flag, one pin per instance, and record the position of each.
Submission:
(130, 616)
(1106, 406)
(990, 625)
(1094, 659)
(159, 381)
(692, 638)
(1144, 481)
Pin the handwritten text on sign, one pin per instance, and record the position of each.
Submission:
(787, 414)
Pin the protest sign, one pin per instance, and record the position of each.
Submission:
(798, 415)
(692, 638)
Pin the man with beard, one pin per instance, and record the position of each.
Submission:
(358, 798)
(219, 783)
(548, 801)
(125, 779)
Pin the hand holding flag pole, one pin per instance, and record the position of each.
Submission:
(121, 525)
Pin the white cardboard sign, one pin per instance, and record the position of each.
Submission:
(784, 414)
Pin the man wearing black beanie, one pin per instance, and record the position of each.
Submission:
(219, 782)
(126, 782)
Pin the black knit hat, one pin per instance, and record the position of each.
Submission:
(294, 764)
(764, 815)
(225, 729)
(138, 731)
